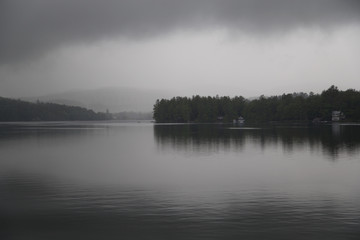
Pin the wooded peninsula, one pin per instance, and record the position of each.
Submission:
(286, 107)
(18, 110)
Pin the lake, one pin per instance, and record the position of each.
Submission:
(139, 180)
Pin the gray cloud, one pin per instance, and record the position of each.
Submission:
(31, 27)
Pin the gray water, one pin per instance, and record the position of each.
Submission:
(145, 181)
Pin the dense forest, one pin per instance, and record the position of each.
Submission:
(287, 107)
(17, 110)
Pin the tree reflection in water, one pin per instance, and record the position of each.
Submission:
(332, 139)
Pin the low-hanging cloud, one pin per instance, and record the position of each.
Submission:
(30, 28)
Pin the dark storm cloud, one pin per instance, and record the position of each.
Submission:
(32, 27)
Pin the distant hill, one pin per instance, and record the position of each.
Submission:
(18, 110)
(132, 116)
(111, 99)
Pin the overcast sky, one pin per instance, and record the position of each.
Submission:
(206, 47)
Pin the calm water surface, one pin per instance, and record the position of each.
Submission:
(145, 181)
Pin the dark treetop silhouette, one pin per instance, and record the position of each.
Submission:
(17, 110)
(287, 107)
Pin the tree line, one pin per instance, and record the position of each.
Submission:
(286, 107)
(18, 110)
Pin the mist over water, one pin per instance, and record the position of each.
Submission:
(145, 181)
(140, 180)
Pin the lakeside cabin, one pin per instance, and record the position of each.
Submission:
(239, 120)
(337, 116)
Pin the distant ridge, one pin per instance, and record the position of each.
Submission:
(112, 99)
(18, 110)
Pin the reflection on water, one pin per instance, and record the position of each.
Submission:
(38, 208)
(145, 181)
(332, 139)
